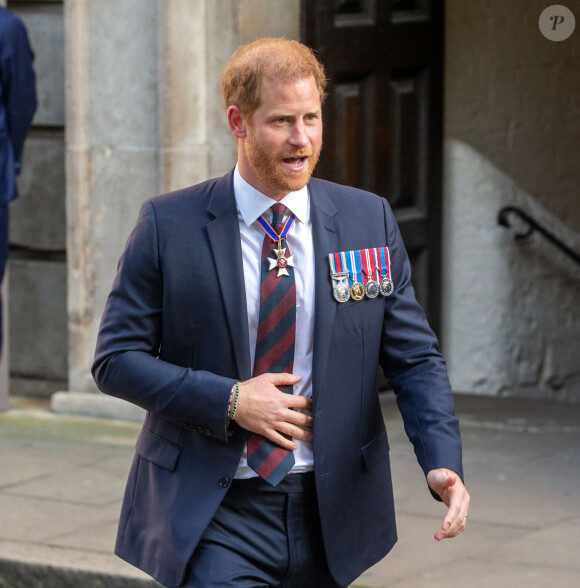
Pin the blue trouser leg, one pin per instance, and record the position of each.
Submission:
(263, 536)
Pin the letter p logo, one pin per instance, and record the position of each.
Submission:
(557, 19)
(557, 22)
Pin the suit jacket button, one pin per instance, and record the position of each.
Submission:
(224, 482)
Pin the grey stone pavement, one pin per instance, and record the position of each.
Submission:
(62, 479)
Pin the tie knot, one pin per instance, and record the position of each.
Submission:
(279, 211)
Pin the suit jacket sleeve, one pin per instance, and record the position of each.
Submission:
(416, 369)
(18, 84)
(127, 363)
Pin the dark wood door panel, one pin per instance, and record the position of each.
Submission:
(383, 127)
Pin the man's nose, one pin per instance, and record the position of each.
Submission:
(299, 138)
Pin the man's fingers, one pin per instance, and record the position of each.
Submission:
(298, 402)
(455, 520)
(297, 425)
(279, 439)
(300, 419)
(296, 432)
(452, 527)
(283, 379)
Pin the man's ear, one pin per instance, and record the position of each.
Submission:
(237, 122)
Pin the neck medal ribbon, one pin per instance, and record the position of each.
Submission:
(280, 261)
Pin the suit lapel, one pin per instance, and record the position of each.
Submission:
(224, 238)
(325, 237)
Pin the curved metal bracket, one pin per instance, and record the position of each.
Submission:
(503, 220)
(533, 225)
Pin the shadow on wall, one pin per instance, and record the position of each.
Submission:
(510, 308)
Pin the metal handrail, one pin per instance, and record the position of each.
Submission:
(503, 220)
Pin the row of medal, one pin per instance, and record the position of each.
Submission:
(356, 274)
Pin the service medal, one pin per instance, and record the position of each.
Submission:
(371, 289)
(341, 292)
(383, 260)
(340, 289)
(357, 291)
(386, 286)
(281, 262)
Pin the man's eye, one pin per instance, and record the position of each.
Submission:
(281, 119)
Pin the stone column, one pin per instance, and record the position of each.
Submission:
(143, 117)
(111, 165)
(196, 37)
(269, 18)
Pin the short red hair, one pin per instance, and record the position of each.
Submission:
(275, 58)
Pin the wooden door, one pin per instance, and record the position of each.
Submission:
(383, 115)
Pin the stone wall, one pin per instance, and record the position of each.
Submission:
(512, 122)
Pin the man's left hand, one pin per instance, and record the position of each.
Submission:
(449, 486)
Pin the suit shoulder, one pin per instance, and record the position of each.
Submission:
(197, 196)
(346, 195)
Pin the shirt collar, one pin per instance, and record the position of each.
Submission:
(252, 203)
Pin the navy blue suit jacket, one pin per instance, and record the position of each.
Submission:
(17, 99)
(174, 339)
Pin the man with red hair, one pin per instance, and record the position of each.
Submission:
(248, 317)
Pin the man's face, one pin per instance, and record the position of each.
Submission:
(284, 137)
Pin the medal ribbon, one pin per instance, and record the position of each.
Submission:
(354, 266)
(363, 267)
(332, 263)
(344, 265)
(335, 265)
(370, 267)
(377, 265)
(272, 233)
(385, 261)
(337, 262)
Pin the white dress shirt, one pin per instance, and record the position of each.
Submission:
(251, 204)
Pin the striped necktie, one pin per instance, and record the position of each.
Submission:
(274, 348)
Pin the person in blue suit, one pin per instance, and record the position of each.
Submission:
(17, 107)
(180, 337)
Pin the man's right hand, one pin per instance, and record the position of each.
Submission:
(264, 409)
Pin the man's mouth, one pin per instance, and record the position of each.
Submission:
(294, 161)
